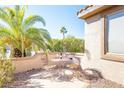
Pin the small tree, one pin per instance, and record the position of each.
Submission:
(19, 31)
(63, 30)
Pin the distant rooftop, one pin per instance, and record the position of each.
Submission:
(91, 10)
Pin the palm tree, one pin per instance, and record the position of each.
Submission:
(63, 31)
(18, 32)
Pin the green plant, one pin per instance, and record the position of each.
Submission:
(57, 45)
(6, 72)
(63, 30)
(72, 44)
(47, 55)
(19, 33)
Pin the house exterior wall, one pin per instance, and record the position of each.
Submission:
(111, 70)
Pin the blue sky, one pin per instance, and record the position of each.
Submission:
(57, 16)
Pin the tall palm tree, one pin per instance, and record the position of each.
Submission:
(63, 30)
(18, 32)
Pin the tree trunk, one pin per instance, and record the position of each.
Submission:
(22, 47)
(24, 53)
(64, 43)
(47, 56)
(17, 52)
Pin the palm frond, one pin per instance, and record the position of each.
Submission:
(38, 35)
(19, 33)
(31, 20)
(7, 16)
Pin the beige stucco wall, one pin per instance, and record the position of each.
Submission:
(92, 59)
(28, 63)
(36, 62)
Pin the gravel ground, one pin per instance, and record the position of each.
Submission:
(42, 78)
(103, 83)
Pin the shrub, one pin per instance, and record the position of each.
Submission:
(6, 72)
(71, 44)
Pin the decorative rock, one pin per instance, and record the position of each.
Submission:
(92, 74)
(73, 66)
(89, 72)
(68, 72)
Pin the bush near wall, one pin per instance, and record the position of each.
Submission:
(71, 44)
(6, 72)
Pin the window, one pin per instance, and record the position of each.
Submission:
(113, 36)
(115, 29)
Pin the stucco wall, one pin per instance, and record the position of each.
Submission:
(29, 63)
(37, 61)
(111, 70)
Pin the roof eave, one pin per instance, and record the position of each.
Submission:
(94, 10)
